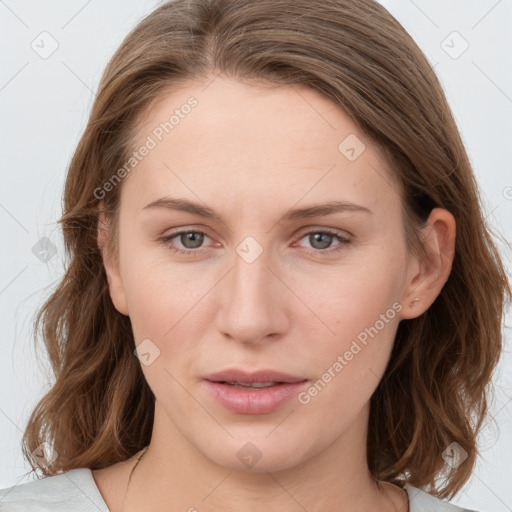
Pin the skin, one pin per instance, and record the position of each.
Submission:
(288, 310)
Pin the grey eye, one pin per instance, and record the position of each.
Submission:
(191, 239)
(320, 240)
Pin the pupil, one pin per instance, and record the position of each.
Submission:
(318, 237)
(195, 238)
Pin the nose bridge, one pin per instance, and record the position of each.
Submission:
(250, 275)
(251, 307)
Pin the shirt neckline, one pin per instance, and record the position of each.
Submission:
(412, 492)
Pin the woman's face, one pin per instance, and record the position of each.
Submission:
(266, 283)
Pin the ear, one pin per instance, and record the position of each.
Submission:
(115, 284)
(426, 277)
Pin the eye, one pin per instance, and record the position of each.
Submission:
(321, 240)
(192, 241)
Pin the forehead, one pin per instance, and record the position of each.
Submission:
(264, 145)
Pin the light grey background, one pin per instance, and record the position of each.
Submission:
(44, 104)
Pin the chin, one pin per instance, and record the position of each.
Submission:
(256, 453)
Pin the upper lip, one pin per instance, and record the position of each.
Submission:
(238, 375)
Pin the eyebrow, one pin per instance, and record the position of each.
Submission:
(318, 210)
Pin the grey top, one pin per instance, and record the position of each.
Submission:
(76, 490)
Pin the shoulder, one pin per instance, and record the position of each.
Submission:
(72, 490)
(421, 501)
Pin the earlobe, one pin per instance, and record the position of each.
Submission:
(430, 274)
(115, 284)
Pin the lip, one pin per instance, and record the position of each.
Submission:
(238, 375)
(253, 401)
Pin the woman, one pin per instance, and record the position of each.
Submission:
(281, 293)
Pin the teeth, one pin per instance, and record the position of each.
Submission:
(252, 384)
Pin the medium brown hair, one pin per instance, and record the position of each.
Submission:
(434, 391)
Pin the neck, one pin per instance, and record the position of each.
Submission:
(336, 478)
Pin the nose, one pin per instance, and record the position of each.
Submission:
(253, 300)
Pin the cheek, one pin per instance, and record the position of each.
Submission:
(351, 361)
(167, 304)
(162, 313)
(350, 297)
(358, 311)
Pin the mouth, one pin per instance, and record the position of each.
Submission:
(250, 385)
(258, 378)
(258, 392)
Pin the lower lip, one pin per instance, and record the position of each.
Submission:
(254, 401)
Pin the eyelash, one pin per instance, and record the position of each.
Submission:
(314, 252)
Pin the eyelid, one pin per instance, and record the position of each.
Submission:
(326, 229)
(173, 232)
